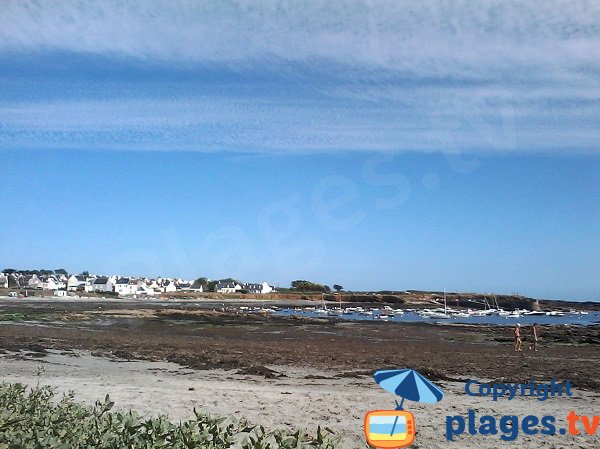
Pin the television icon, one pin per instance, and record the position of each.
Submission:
(389, 429)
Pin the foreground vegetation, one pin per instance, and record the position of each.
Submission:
(37, 418)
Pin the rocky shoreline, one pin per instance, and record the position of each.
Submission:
(201, 339)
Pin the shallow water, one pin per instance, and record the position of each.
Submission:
(411, 317)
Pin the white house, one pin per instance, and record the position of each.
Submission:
(76, 282)
(153, 285)
(144, 290)
(102, 284)
(165, 285)
(252, 288)
(227, 287)
(3, 280)
(262, 289)
(125, 287)
(34, 282)
(51, 283)
(267, 288)
(89, 283)
(184, 286)
(196, 287)
(168, 286)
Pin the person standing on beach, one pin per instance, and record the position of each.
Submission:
(534, 334)
(518, 341)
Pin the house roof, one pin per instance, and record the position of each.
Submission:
(123, 281)
(48, 279)
(101, 280)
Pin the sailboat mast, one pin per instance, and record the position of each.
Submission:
(445, 305)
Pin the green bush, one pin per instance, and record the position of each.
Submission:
(35, 418)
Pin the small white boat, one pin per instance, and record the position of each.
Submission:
(534, 313)
(438, 316)
(267, 310)
(578, 312)
(434, 314)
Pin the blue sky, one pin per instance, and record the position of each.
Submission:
(379, 145)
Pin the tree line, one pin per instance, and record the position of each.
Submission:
(59, 271)
(298, 285)
(309, 286)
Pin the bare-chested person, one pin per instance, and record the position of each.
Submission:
(518, 341)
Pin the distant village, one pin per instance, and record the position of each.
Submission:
(60, 283)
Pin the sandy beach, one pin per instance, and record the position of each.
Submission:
(301, 398)
(290, 373)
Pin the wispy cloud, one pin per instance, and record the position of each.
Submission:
(435, 37)
(384, 76)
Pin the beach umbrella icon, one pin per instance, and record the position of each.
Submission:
(387, 429)
(408, 384)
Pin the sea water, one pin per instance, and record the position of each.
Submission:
(411, 317)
